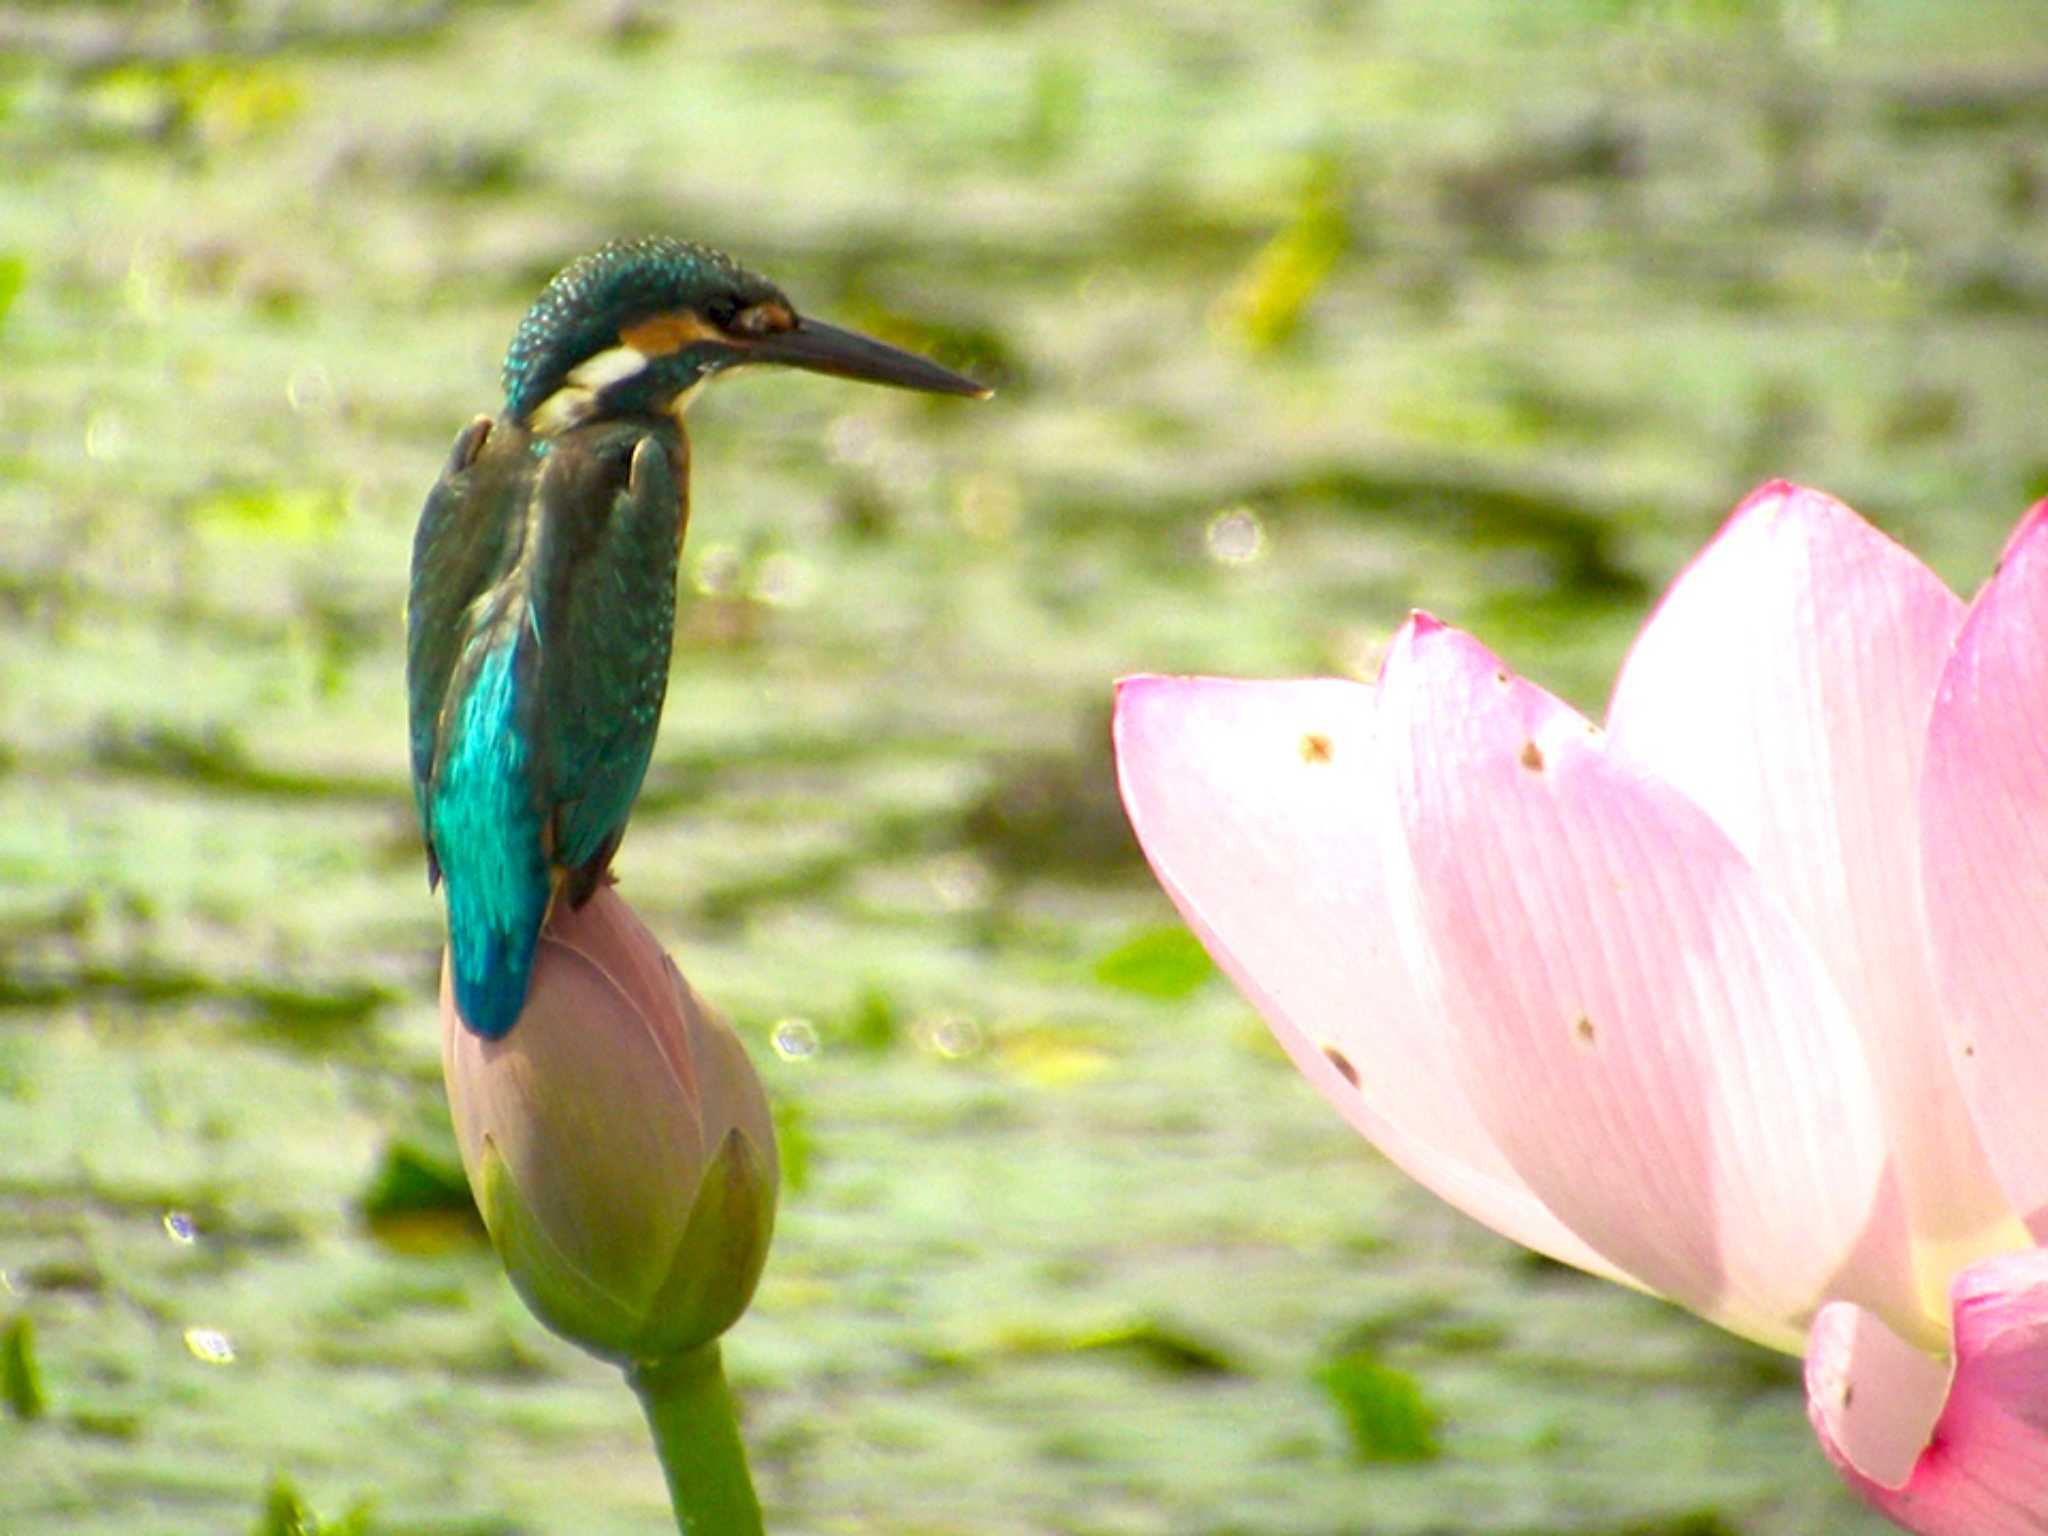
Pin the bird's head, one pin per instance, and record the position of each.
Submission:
(636, 326)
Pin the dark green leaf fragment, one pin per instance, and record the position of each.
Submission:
(21, 1380)
(1383, 1408)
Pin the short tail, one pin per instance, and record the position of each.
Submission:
(493, 963)
(487, 837)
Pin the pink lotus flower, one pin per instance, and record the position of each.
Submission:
(1742, 1000)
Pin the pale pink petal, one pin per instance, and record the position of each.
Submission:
(1961, 1452)
(1985, 848)
(1652, 1042)
(1259, 805)
(1784, 686)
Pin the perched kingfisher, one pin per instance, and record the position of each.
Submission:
(543, 595)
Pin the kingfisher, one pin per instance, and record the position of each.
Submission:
(542, 606)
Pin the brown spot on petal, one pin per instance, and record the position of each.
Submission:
(1584, 1032)
(1316, 748)
(1848, 1393)
(1342, 1063)
(1501, 678)
(1532, 757)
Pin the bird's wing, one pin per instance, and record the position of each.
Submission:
(613, 507)
(454, 554)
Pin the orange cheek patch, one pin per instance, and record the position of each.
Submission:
(764, 319)
(658, 335)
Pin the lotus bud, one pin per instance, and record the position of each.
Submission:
(617, 1141)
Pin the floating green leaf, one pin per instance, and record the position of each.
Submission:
(1265, 306)
(13, 274)
(1055, 110)
(1383, 1408)
(419, 1198)
(286, 1513)
(1166, 963)
(21, 1380)
(875, 1024)
(793, 1142)
(1164, 1346)
(1699, 1522)
(224, 101)
(291, 514)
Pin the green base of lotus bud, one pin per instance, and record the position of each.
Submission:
(710, 1278)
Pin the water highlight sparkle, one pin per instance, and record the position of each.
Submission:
(209, 1345)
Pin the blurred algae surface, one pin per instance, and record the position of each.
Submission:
(1303, 312)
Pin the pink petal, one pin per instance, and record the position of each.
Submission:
(1784, 686)
(1941, 1453)
(1985, 847)
(1652, 1042)
(1260, 806)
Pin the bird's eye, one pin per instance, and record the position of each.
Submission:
(722, 311)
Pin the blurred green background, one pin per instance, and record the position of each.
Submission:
(1303, 312)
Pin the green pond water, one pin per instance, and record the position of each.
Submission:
(1303, 313)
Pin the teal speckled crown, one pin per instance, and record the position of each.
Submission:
(580, 312)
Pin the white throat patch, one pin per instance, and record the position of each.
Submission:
(603, 369)
(576, 400)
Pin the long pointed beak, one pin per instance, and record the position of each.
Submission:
(823, 348)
